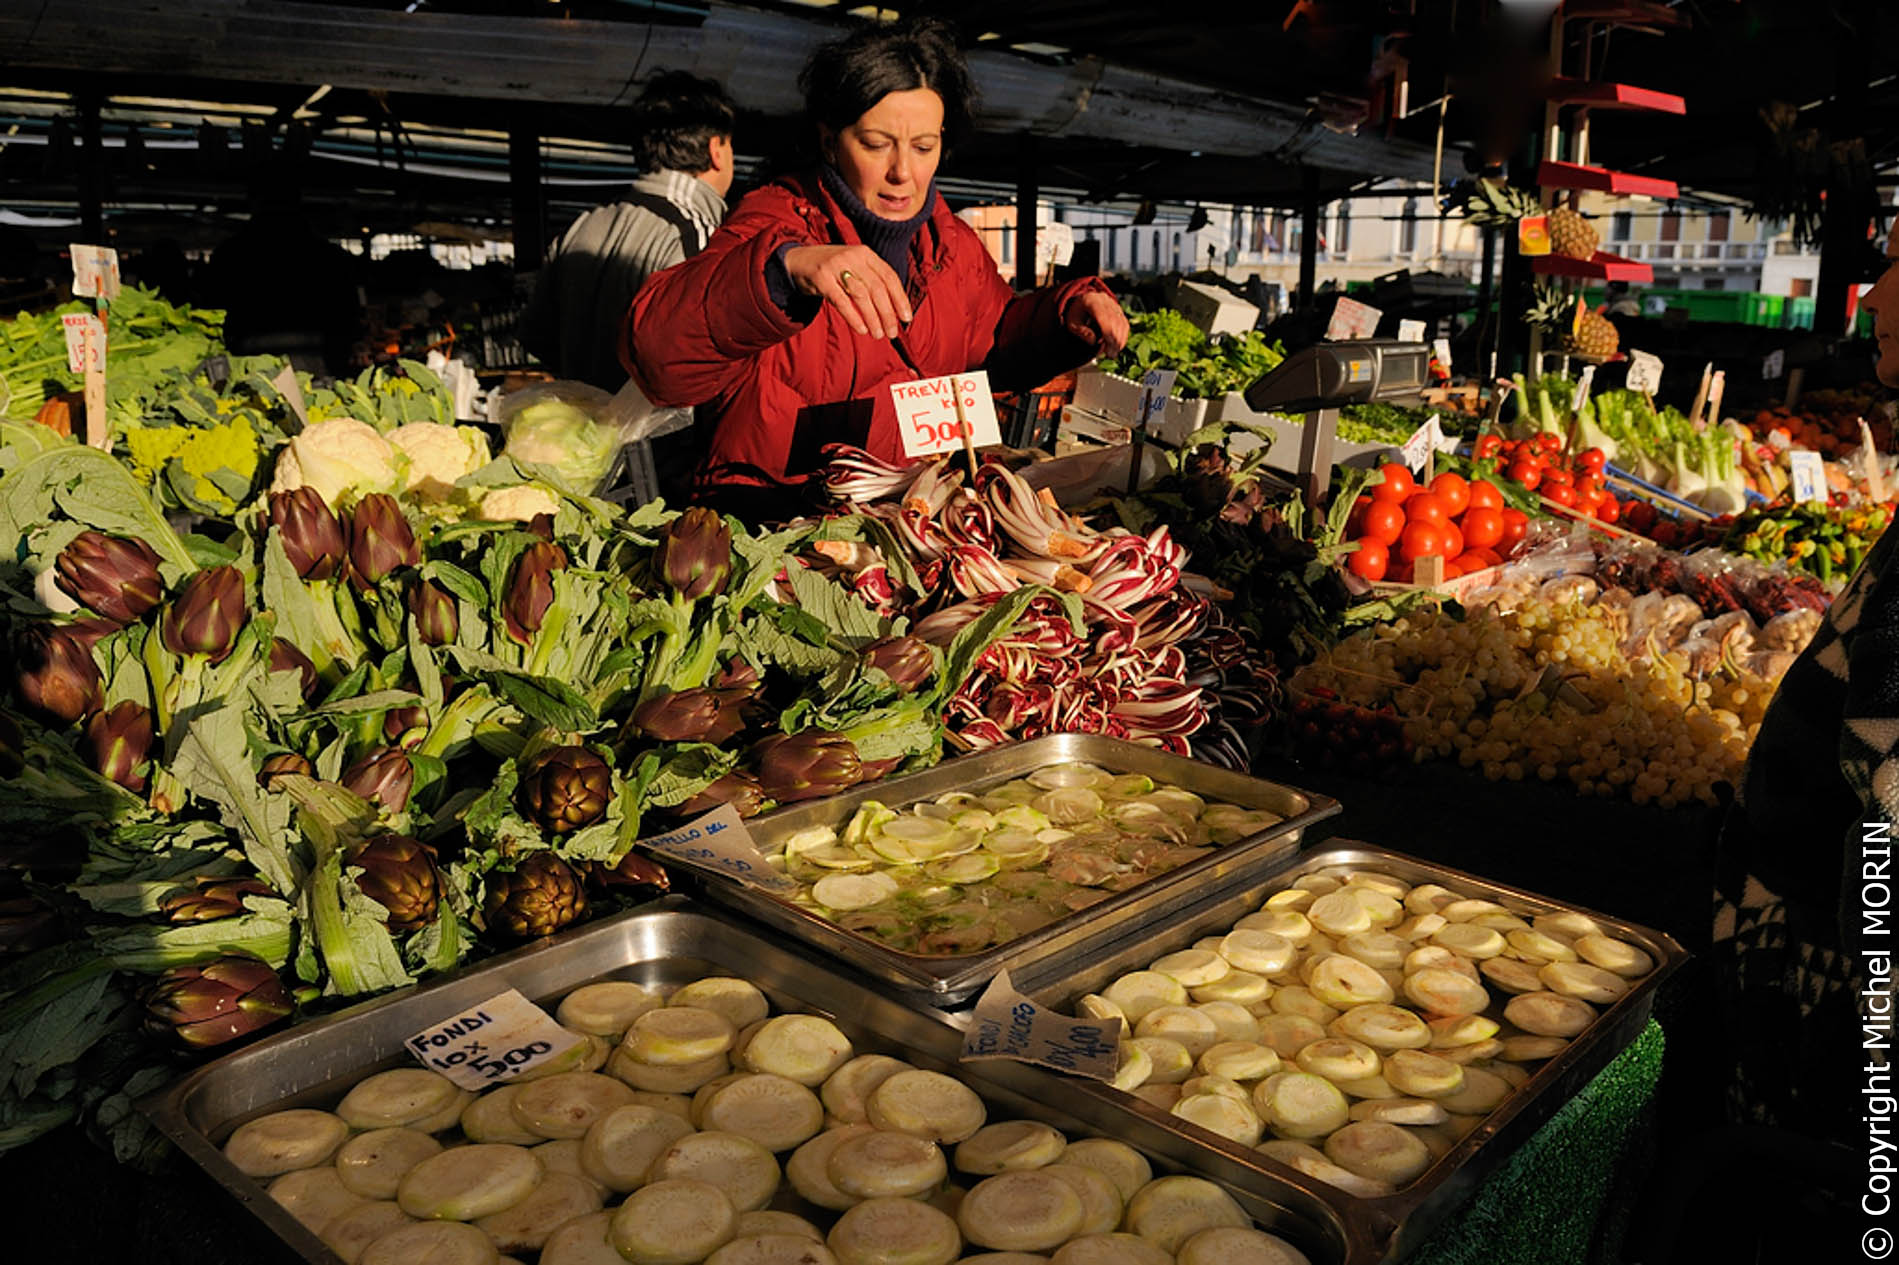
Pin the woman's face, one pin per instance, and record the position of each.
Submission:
(889, 155)
(1883, 302)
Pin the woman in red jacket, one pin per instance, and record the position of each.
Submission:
(823, 289)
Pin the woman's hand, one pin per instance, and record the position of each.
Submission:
(861, 286)
(1097, 319)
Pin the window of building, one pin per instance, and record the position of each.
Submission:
(1718, 225)
(1114, 249)
(1176, 252)
(1008, 245)
(1621, 226)
(1671, 226)
(1408, 228)
(1800, 288)
(1665, 250)
(1713, 283)
(1342, 240)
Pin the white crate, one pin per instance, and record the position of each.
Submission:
(1098, 391)
(1213, 310)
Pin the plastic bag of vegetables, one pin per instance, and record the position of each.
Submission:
(577, 431)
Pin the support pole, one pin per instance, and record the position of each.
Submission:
(1028, 192)
(1308, 237)
(530, 205)
(1842, 254)
(91, 184)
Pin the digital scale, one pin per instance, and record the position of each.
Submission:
(1319, 380)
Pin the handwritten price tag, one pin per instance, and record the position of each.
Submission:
(1352, 320)
(85, 342)
(1156, 386)
(1410, 331)
(1808, 475)
(95, 271)
(718, 843)
(926, 413)
(1645, 372)
(1774, 365)
(1425, 440)
(493, 1042)
(1007, 1025)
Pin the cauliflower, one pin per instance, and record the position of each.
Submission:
(337, 456)
(556, 434)
(521, 503)
(438, 456)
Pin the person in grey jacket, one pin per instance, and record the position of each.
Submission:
(683, 144)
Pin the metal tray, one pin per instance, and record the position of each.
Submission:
(672, 941)
(1047, 952)
(1410, 1214)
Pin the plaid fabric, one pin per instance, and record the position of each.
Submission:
(1826, 762)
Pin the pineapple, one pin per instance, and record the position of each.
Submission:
(1571, 235)
(1596, 337)
(1572, 325)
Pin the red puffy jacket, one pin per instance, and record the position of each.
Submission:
(706, 332)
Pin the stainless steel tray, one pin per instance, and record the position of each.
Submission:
(1412, 1213)
(672, 941)
(1046, 953)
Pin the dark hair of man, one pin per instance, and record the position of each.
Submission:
(675, 119)
(847, 77)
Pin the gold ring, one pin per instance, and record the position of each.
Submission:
(844, 281)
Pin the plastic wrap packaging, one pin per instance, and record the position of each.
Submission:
(579, 432)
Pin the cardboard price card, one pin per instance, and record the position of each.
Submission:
(1807, 471)
(1774, 365)
(1007, 1025)
(1645, 372)
(1352, 320)
(85, 342)
(718, 843)
(1156, 386)
(493, 1042)
(1425, 440)
(95, 271)
(927, 420)
(1410, 331)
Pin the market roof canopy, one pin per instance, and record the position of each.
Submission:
(1244, 144)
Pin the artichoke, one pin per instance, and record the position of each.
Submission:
(27, 924)
(633, 870)
(400, 875)
(907, 661)
(406, 727)
(877, 770)
(694, 555)
(380, 540)
(213, 898)
(312, 536)
(531, 591)
(285, 657)
(385, 776)
(537, 898)
(806, 765)
(683, 716)
(280, 765)
(121, 740)
(207, 615)
(564, 788)
(741, 790)
(217, 1001)
(738, 674)
(57, 675)
(437, 620)
(113, 575)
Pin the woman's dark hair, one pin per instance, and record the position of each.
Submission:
(675, 119)
(847, 77)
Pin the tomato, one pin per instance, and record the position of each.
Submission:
(1547, 442)
(1516, 525)
(1399, 572)
(1355, 521)
(1527, 474)
(1420, 540)
(1484, 495)
(1370, 560)
(1483, 529)
(1453, 490)
(1561, 493)
(1593, 459)
(1485, 557)
(1557, 476)
(1639, 514)
(1488, 445)
(1426, 507)
(1453, 539)
(1383, 522)
(1470, 563)
(1608, 509)
(1588, 485)
(1452, 570)
(1397, 485)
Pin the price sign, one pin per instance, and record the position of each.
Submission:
(493, 1042)
(1808, 470)
(95, 271)
(1774, 365)
(85, 342)
(718, 843)
(1425, 440)
(1581, 397)
(1352, 320)
(1441, 352)
(1007, 1025)
(1410, 331)
(1645, 372)
(926, 413)
(1156, 386)
(288, 387)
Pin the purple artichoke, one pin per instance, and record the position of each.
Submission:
(207, 615)
(806, 765)
(694, 555)
(683, 716)
(405, 726)
(907, 661)
(213, 898)
(281, 765)
(537, 898)
(121, 741)
(311, 534)
(115, 576)
(57, 675)
(740, 790)
(219, 1001)
(385, 776)
(437, 620)
(400, 875)
(531, 590)
(633, 870)
(380, 540)
(285, 657)
(564, 788)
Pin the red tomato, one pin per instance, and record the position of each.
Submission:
(1593, 458)
(1419, 540)
(1527, 474)
(1488, 445)
(1355, 521)
(1547, 442)
(1588, 485)
(1370, 560)
(1383, 522)
(1557, 476)
(1608, 509)
(1397, 485)
(1483, 529)
(1484, 495)
(1399, 572)
(1453, 539)
(1452, 570)
(1470, 562)
(1640, 515)
(1516, 525)
(1561, 493)
(1453, 490)
(1485, 557)
(1426, 507)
